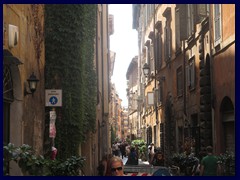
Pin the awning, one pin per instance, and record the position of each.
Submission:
(9, 59)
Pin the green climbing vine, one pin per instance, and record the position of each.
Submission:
(70, 31)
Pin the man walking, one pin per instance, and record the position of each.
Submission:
(209, 164)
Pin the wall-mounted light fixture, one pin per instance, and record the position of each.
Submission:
(146, 69)
(32, 85)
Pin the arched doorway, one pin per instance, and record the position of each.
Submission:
(228, 124)
(12, 98)
(7, 100)
(12, 104)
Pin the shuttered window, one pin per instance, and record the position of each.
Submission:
(152, 58)
(192, 74)
(217, 24)
(190, 17)
(167, 39)
(167, 34)
(183, 21)
(202, 12)
(160, 93)
(158, 27)
(159, 51)
(179, 81)
(177, 30)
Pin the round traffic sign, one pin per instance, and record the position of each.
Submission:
(53, 100)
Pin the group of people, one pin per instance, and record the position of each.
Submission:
(112, 165)
(207, 165)
(120, 148)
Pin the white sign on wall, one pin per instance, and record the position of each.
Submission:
(53, 97)
(150, 98)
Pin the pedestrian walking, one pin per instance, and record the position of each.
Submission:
(132, 158)
(122, 149)
(151, 153)
(209, 164)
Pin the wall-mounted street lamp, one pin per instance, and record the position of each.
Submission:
(32, 85)
(146, 69)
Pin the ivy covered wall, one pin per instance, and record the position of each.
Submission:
(70, 32)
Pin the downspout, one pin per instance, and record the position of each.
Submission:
(184, 84)
(211, 77)
(155, 69)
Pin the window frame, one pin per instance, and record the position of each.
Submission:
(177, 31)
(192, 73)
(179, 73)
(217, 40)
(190, 20)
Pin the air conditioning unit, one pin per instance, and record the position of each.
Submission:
(13, 35)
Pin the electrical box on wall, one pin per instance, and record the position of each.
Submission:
(13, 35)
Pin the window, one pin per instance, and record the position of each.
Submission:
(179, 81)
(158, 57)
(160, 93)
(167, 34)
(177, 31)
(202, 12)
(168, 42)
(190, 74)
(152, 58)
(190, 19)
(217, 24)
(7, 84)
(148, 11)
(147, 44)
(8, 98)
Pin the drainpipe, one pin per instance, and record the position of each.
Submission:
(211, 76)
(155, 69)
(184, 86)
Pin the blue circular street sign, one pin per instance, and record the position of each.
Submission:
(53, 100)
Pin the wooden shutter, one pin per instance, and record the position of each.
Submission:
(217, 21)
(165, 43)
(169, 42)
(177, 29)
(187, 76)
(193, 73)
(160, 51)
(160, 96)
(183, 21)
(201, 12)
